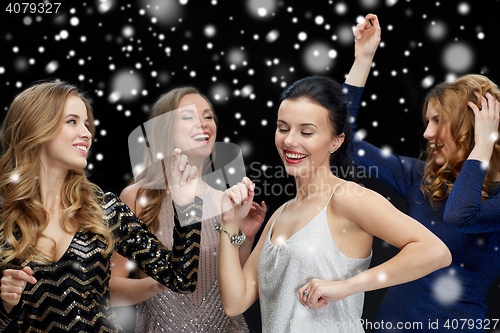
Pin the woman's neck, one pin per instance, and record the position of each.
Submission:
(50, 185)
(315, 183)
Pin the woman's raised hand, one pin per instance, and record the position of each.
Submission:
(367, 37)
(253, 221)
(237, 202)
(487, 116)
(12, 286)
(183, 179)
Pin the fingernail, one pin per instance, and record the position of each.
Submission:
(244, 203)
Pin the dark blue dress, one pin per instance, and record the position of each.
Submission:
(450, 299)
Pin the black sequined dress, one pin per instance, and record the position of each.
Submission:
(72, 294)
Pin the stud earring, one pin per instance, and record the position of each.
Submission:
(331, 151)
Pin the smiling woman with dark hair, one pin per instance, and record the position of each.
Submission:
(316, 249)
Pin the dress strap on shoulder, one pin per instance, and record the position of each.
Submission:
(333, 192)
(284, 206)
(277, 217)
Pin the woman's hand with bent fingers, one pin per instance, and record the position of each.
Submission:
(367, 37)
(237, 202)
(253, 221)
(487, 117)
(317, 293)
(12, 286)
(366, 40)
(183, 179)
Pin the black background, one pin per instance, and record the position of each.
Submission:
(423, 43)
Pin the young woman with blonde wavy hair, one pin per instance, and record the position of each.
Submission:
(455, 193)
(58, 230)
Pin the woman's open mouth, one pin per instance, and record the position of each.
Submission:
(203, 137)
(294, 157)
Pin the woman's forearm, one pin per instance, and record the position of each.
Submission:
(414, 261)
(482, 152)
(245, 250)
(232, 283)
(125, 291)
(359, 72)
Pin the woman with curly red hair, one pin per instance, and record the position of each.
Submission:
(455, 193)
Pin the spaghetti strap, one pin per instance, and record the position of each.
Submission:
(284, 206)
(276, 219)
(333, 192)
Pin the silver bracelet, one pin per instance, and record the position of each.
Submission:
(236, 239)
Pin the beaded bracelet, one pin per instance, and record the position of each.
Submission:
(236, 239)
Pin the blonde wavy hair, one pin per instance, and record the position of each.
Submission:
(36, 116)
(153, 176)
(450, 100)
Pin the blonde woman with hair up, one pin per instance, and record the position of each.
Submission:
(454, 192)
(58, 230)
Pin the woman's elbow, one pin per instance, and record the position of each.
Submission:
(460, 221)
(231, 308)
(443, 256)
(231, 311)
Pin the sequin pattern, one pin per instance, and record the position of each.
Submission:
(72, 294)
(202, 310)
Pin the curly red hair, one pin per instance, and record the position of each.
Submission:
(450, 100)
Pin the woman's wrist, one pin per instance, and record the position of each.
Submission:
(156, 286)
(249, 240)
(363, 59)
(482, 152)
(7, 307)
(229, 227)
(359, 71)
(357, 284)
(236, 238)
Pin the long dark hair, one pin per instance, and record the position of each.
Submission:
(327, 93)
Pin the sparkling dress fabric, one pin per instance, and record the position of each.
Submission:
(283, 269)
(202, 310)
(72, 294)
(443, 300)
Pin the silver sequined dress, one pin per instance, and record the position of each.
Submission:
(283, 269)
(202, 310)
